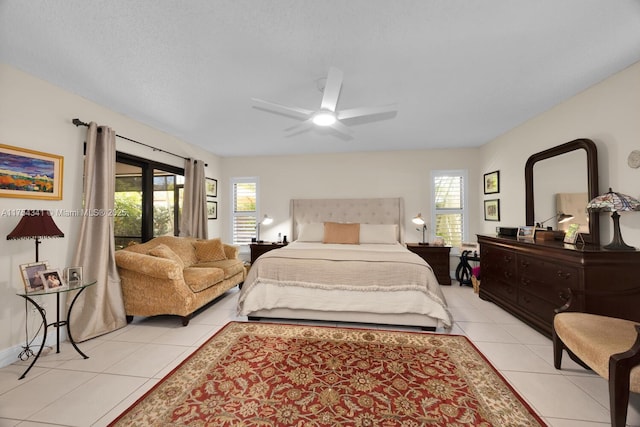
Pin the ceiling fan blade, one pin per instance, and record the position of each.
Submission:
(341, 128)
(366, 111)
(332, 90)
(300, 128)
(272, 107)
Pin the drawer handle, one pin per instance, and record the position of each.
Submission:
(526, 299)
(563, 275)
(507, 258)
(507, 275)
(525, 263)
(526, 282)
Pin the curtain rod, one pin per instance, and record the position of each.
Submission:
(79, 122)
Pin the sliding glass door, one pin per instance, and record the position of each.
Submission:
(148, 198)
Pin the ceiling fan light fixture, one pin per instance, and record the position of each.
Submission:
(324, 118)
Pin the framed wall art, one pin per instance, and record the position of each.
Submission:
(492, 210)
(212, 187)
(30, 174)
(492, 182)
(30, 277)
(212, 209)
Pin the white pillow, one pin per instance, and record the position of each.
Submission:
(312, 232)
(379, 233)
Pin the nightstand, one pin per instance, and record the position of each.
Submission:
(437, 257)
(258, 249)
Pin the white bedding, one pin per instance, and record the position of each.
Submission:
(365, 278)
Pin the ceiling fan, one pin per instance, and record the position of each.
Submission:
(327, 115)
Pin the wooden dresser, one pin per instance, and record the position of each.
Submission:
(529, 279)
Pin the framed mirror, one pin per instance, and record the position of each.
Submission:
(591, 184)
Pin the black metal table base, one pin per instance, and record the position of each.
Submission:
(464, 270)
(57, 324)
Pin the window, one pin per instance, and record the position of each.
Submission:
(244, 210)
(449, 206)
(149, 197)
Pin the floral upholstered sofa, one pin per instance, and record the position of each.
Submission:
(176, 275)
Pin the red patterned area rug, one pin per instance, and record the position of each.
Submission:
(262, 374)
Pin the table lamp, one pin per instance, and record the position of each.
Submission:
(265, 221)
(420, 221)
(35, 224)
(560, 216)
(615, 202)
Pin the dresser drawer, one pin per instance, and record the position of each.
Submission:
(543, 308)
(539, 272)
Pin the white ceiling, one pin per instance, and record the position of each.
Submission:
(461, 71)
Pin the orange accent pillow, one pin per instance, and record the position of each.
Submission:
(209, 250)
(335, 232)
(164, 251)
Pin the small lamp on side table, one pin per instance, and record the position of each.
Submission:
(265, 221)
(418, 220)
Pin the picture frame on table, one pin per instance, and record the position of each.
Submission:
(526, 232)
(211, 186)
(73, 275)
(52, 279)
(31, 278)
(40, 174)
(492, 182)
(571, 235)
(212, 209)
(492, 210)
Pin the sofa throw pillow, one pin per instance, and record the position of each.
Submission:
(164, 251)
(209, 250)
(335, 232)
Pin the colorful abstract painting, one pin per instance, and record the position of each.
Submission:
(30, 174)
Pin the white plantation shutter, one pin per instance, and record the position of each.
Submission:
(449, 206)
(245, 192)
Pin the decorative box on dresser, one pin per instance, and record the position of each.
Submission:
(437, 257)
(529, 279)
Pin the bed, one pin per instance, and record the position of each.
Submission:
(346, 263)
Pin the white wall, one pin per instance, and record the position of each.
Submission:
(405, 174)
(37, 115)
(606, 113)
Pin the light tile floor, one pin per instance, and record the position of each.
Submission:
(65, 390)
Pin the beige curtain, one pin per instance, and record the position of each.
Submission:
(193, 222)
(100, 309)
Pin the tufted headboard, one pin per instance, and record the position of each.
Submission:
(363, 211)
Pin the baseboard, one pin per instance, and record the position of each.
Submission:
(11, 355)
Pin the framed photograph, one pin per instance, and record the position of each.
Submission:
(73, 275)
(212, 209)
(492, 182)
(212, 187)
(492, 210)
(571, 235)
(30, 277)
(30, 174)
(52, 279)
(527, 232)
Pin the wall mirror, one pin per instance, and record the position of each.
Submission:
(563, 163)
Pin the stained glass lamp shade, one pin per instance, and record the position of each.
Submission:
(615, 202)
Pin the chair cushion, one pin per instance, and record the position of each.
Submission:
(164, 251)
(231, 267)
(199, 279)
(595, 338)
(209, 250)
